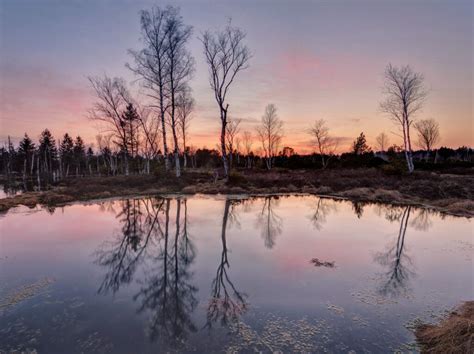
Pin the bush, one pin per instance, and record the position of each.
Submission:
(394, 168)
(236, 179)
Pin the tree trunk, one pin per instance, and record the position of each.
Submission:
(223, 147)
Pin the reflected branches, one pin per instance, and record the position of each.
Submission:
(398, 274)
(147, 239)
(121, 256)
(322, 208)
(226, 304)
(167, 292)
(271, 224)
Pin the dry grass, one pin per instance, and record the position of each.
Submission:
(454, 334)
(447, 193)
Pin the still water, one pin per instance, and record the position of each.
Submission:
(223, 274)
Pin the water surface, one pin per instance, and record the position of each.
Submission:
(214, 274)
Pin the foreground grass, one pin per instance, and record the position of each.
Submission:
(454, 334)
(448, 193)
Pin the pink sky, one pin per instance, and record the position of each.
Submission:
(312, 60)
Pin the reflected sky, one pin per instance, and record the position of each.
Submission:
(227, 274)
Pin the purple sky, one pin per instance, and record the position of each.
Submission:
(312, 59)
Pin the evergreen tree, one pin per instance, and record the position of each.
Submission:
(47, 151)
(89, 158)
(359, 146)
(66, 152)
(79, 154)
(26, 153)
(130, 120)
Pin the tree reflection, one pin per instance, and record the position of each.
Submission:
(227, 304)
(358, 208)
(271, 224)
(397, 277)
(166, 290)
(122, 256)
(422, 221)
(321, 210)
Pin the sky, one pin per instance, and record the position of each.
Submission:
(312, 59)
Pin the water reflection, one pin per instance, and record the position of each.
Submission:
(227, 303)
(396, 279)
(321, 210)
(121, 257)
(270, 223)
(167, 292)
(153, 249)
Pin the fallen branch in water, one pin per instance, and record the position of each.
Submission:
(317, 263)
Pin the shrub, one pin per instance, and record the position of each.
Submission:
(396, 167)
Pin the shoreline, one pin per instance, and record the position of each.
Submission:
(447, 194)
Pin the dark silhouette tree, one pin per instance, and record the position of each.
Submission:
(26, 152)
(66, 154)
(79, 154)
(227, 303)
(359, 146)
(47, 152)
(226, 55)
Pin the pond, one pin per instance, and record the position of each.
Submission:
(227, 274)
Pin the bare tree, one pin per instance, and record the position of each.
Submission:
(382, 141)
(324, 143)
(248, 142)
(405, 95)
(226, 54)
(232, 130)
(113, 98)
(152, 63)
(271, 133)
(152, 141)
(428, 133)
(181, 68)
(185, 106)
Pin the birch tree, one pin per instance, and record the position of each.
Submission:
(112, 100)
(226, 55)
(181, 68)
(404, 97)
(382, 141)
(428, 133)
(270, 133)
(248, 143)
(185, 106)
(233, 128)
(152, 64)
(324, 143)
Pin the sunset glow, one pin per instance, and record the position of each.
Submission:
(314, 60)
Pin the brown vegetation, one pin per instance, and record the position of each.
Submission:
(453, 334)
(448, 193)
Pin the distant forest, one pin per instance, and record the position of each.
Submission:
(69, 157)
